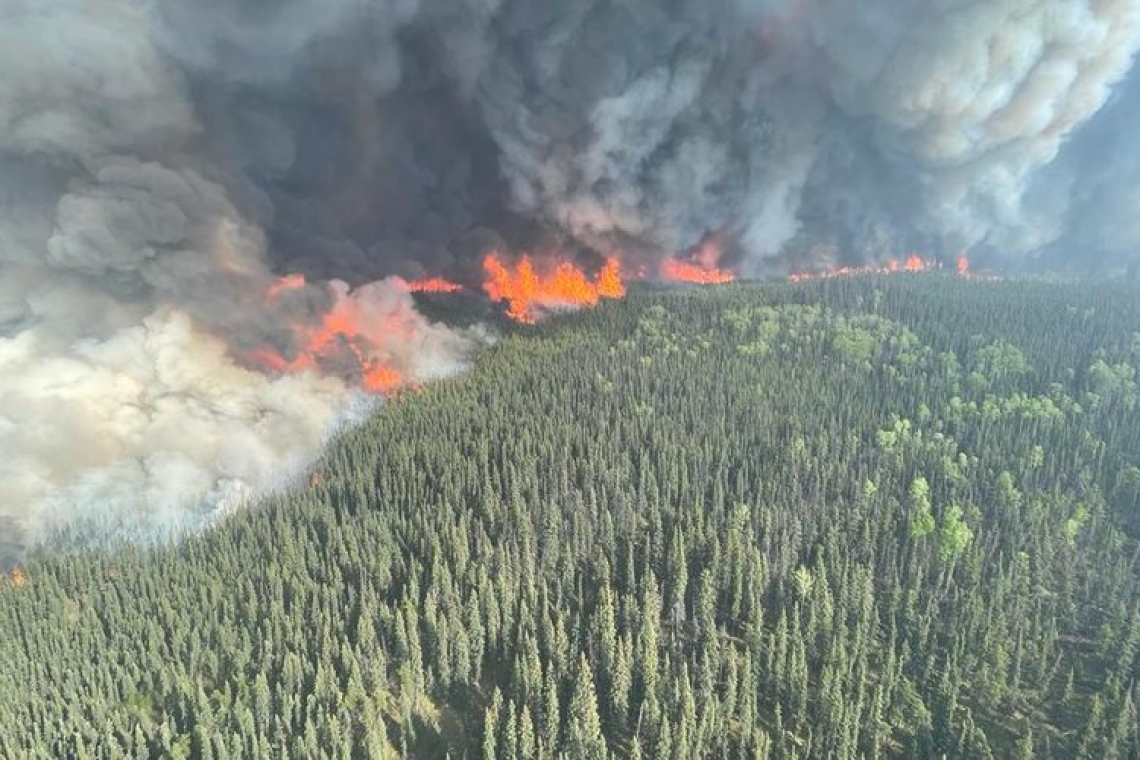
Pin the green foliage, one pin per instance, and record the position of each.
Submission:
(953, 534)
(1112, 384)
(584, 728)
(921, 512)
(853, 518)
(1076, 523)
(804, 581)
(999, 361)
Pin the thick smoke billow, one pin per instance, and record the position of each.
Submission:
(135, 263)
(163, 163)
(788, 127)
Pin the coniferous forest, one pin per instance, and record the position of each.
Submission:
(862, 517)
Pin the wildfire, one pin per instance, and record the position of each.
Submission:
(344, 339)
(610, 284)
(687, 271)
(912, 263)
(527, 292)
(18, 577)
(433, 285)
(701, 267)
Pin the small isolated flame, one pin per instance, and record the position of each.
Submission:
(528, 293)
(702, 267)
(963, 266)
(344, 341)
(912, 263)
(433, 285)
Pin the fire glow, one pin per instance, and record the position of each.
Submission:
(676, 270)
(701, 267)
(529, 292)
(284, 285)
(344, 341)
(912, 263)
(433, 285)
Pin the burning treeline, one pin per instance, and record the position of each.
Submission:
(354, 339)
(912, 263)
(531, 289)
(347, 339)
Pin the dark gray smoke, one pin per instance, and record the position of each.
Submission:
(162, 162)
(876, 128)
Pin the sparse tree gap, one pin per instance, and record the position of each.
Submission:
(864, 517)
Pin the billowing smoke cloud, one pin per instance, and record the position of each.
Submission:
(162, 163)
(968, 101)
(874, 127)
(135, 269)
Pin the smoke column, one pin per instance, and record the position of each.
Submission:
(163, 163)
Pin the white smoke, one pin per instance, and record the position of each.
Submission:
(973, 98)
(130, 281)
(150, 428)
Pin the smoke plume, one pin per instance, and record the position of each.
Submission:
(163, 164)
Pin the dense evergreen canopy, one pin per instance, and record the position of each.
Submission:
(858, 517)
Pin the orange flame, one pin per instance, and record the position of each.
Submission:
(912, 263)
(610, 284)
(343, 336)
(528, 293)
(433, 285)
(687, 271)
(701, 266)
(963, 265)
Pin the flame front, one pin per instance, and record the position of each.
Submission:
(610, 284)
(345, 341)
(527, 292)
(700, 267)
(912, 263)
(694, 272)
